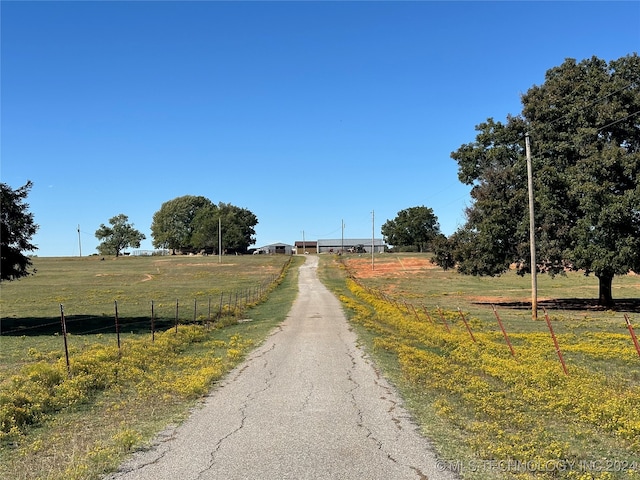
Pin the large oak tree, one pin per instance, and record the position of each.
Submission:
(191, 223)
(236, 225)
(173, 225)
(584, 125)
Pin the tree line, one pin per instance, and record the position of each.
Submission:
(185, 224)
(584, 126)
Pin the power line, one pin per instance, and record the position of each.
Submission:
(574, 144)
(619, 120)
(589, 105)
(597, 100)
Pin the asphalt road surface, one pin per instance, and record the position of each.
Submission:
(306, 404)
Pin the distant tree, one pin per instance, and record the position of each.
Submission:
(191, 223)
(415, 226)
(585, 141)
(173, 225)
(236, 224)
(442, 254)
(205, 231)
(17, 229)
(118, 236)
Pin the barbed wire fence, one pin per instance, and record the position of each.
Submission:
(207, 311)
(407, 307)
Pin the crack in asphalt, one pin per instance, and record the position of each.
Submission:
(307, 399)
(243, 407)
(391, 411)
(160, 440)
(419, 472)
(217, 446)
(351, 392)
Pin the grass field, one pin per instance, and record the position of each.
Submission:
(90, 285)
(414, 277)
(57, 427)
(492, 414)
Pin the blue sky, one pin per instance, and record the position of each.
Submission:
(306, 113)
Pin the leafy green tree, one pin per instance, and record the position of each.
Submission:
(191, 223)
(442, 254)
(16, 231)
(236, 224)
(237, 227)
(206, 228)
(412, 227)
(585, 141)
(173, 225)
(118, 236)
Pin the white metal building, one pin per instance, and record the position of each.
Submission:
(277, 248)
(350, 244)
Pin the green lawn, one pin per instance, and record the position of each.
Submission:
(90, 285)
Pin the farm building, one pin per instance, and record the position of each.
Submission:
(306, 246)
(276, 248)
(349, 245)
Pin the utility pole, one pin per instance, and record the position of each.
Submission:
(373, 238)
(219, 240)
(342, 241)
(532, 234)
(79, 242)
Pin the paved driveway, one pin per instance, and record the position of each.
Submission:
(306, 404)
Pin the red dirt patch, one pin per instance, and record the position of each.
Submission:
(399, 267)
